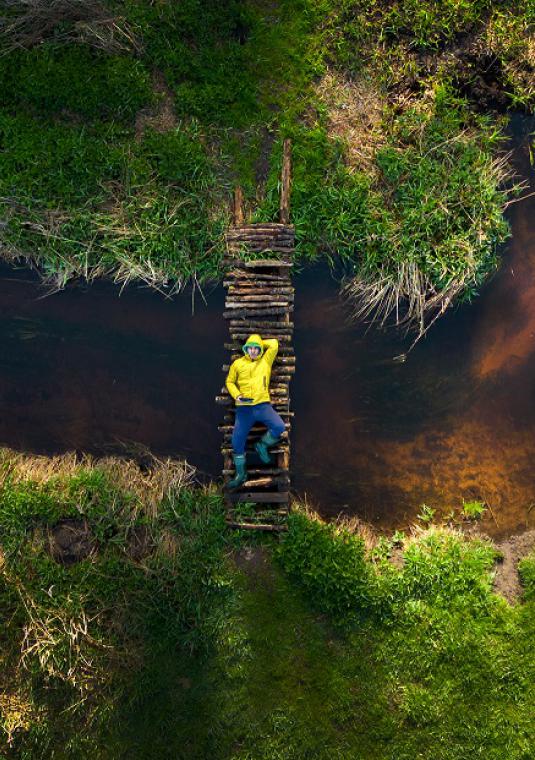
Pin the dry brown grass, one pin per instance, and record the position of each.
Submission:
(150, 485)
(28, 23)
(354, 115)
(161, 117)
(16, 712)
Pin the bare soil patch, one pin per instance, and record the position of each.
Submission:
(507, 580)
(160, 117)
(355, 110)
(255, 563)
(139, 543)
(70, 540)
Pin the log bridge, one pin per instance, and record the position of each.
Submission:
(259, 299)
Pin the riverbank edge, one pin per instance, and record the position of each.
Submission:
(155, 537)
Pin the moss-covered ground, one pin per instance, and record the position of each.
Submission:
(120, 144)
(157, 633)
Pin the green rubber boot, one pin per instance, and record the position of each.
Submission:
(241, 472)
(262, 446)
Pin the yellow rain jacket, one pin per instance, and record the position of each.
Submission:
(250, 377)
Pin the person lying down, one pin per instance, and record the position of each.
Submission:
(248, 384)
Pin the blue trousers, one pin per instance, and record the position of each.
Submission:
(246, 416)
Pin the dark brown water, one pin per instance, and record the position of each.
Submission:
(88, 370)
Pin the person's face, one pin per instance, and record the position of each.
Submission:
(253, 352)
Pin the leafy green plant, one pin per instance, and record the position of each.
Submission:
(474, 510)
(330, 563)
(426, 513)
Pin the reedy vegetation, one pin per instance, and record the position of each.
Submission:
(100, 197)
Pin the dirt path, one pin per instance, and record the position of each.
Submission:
(507, 580)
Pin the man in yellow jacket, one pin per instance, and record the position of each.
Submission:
(248, 384)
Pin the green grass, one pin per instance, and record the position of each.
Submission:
(216, 645)
(86, 192)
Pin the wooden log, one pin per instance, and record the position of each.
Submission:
(256, 526)
(284, 350)
(268, 264)
(228, 449)
(248, 240)
(258, 300)
(271, 233)
(229, 416)
(272, 311)
(266, 328)
(277, 391)
(239, 337)
(239, 216)
(284, 208)
(227, 400)
(257, 290)
(263, 226)
(252, 436)
(254, 236)
(281, 362)
(238, 274)
(277, 330)
(253, 301)
(263, 482)
(261, 323)
(265, 247)
(255, 429)
(260, 497)
(242, 275)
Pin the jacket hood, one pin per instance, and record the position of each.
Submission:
(253, 340)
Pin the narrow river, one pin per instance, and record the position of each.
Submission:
(373, 436)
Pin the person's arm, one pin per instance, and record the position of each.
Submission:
(230, 382)
(271, 347)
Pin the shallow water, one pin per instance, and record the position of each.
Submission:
(373, 436)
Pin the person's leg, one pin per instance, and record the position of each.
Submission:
(276, 427)
(242, 425)
(271, 419)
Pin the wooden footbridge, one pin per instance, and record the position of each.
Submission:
(260, 300)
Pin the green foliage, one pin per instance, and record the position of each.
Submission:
(53, 79)
(164, 219)
(446, 569)
(89, 626)
(243, 76)
(207, 660)
(434, 208)
(48, 164)
(198, 45)
(473, 510)
(179, 158)
(428, 25)
(329, 563)
(526, 569)
(426, 514)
